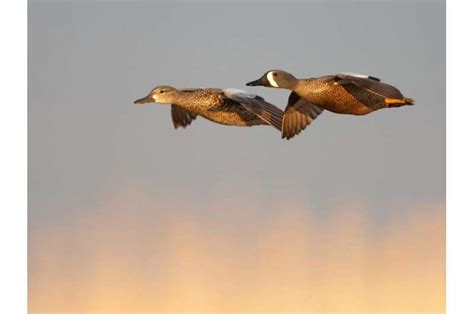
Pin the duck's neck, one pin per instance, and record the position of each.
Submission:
(290, 83)
(300, 86)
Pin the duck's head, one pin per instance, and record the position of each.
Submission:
(276, 79)
(160, 94)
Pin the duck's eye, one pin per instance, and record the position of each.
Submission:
(275, 74)
(162, 91)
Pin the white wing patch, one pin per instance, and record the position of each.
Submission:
(229, 92)
(271, 80)
(356, 74)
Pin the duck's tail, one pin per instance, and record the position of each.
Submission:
(409, 101)
(395, 102)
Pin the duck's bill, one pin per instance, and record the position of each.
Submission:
(144, 100)
(259, 82)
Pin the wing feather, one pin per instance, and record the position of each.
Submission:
(181, 117)
(298, 115)
(370, 84)
(258, 106)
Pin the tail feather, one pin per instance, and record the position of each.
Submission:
(409, 101)
(395, 102)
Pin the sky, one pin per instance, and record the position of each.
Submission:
(113, 186)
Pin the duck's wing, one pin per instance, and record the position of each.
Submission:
(298, 115)
(181, 117)
(370, 84)
(257, 105)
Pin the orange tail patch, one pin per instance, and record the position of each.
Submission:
(394, 102)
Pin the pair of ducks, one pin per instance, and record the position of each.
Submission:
(345, 93)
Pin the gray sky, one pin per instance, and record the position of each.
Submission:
(89, 61)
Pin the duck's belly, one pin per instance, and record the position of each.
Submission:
(240, 118)
(225, 112)
(348, 100)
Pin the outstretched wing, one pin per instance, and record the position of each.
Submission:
(298, 115)
(258, 106)
(369, 83)
(181, 117)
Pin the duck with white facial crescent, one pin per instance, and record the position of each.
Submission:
(344, 93)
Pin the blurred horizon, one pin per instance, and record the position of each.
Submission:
(160, 259)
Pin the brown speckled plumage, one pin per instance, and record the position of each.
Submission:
(344, 99)
(343, 93)
(213, 105)
(217, 105)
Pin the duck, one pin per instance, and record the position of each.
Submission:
(223, 106)
(343, 93)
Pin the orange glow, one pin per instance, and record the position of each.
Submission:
(138, 254)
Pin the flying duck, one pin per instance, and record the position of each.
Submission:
(345, 93)
(223, 106)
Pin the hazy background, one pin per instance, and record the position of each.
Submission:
(115, 191)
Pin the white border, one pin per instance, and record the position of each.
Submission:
(460, 158)
(13, 162)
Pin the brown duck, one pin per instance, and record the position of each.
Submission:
(345, 93)
(223, 106)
